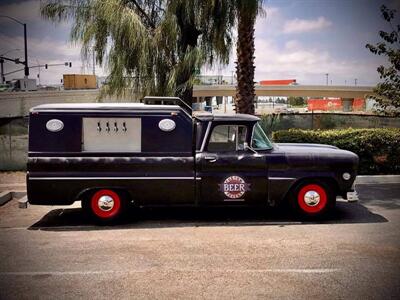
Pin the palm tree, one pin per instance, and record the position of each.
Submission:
(247, 11)
(149, 46)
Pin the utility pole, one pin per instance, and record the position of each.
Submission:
(94, 61)
(39, 70)
(3, 79)
(26, 53)
(327, 78)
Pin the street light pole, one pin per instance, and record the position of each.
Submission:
(3, 78)
(25, 63)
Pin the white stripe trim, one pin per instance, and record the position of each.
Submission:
(281, 178)
(111, 178)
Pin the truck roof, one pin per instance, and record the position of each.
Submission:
(78, 107)
(103, 107)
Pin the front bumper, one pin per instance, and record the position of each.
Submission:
(352, 196)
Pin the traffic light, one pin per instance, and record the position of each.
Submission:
(70, 64)
(46, 66)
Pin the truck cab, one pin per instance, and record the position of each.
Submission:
(109, 156)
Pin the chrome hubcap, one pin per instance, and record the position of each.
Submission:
(105, 203)
(311, 198)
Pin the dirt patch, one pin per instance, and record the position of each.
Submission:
(12, 177)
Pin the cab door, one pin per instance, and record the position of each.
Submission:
(227, 173)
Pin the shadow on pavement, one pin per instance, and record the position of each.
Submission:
(383, 195)
(73, 219)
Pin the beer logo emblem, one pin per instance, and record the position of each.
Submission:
(234, 187)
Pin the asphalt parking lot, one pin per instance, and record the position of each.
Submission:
(53, 252)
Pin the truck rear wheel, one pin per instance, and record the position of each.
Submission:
(105, 206)
(313, 198)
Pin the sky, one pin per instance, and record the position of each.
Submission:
(296, 39)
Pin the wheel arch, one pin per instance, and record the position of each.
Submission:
(331, 182)
(86, 193)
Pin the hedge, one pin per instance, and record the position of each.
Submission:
(378, 148)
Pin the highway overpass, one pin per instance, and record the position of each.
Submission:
(17, 104)
(351, 92)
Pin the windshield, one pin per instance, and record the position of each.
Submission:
(259, 140)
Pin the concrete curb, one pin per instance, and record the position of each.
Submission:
(23, 202)
(378, 179)
(12, 185)
(18, 194)
(5, 197)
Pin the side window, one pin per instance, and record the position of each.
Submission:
(225, 138)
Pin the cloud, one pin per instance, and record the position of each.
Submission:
(292, 44)
(308, 64)
(271, 11)
(25, 12)
(301, 25)
(269, 24)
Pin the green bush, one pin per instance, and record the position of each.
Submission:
(378, 148)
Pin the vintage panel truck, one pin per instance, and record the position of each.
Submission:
(110, 156)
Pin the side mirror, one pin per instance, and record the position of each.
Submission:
(247, 147)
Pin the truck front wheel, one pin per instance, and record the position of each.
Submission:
(105, 206)
(312, 199)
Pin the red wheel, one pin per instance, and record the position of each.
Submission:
(313, 199)
(106, 204)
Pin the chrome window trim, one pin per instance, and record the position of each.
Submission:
(251, 139)
(236, 127)
(203, 144)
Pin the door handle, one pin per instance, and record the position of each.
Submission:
(211, 158)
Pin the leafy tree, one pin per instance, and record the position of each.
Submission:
(296, 101)
(388, 92)
(247, 11)
(150, 46)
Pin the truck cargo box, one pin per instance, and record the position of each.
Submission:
(79, 81)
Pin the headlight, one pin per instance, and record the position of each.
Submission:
(346, 176)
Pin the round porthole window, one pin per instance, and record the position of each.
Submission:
(54, 125)
(167, 125)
